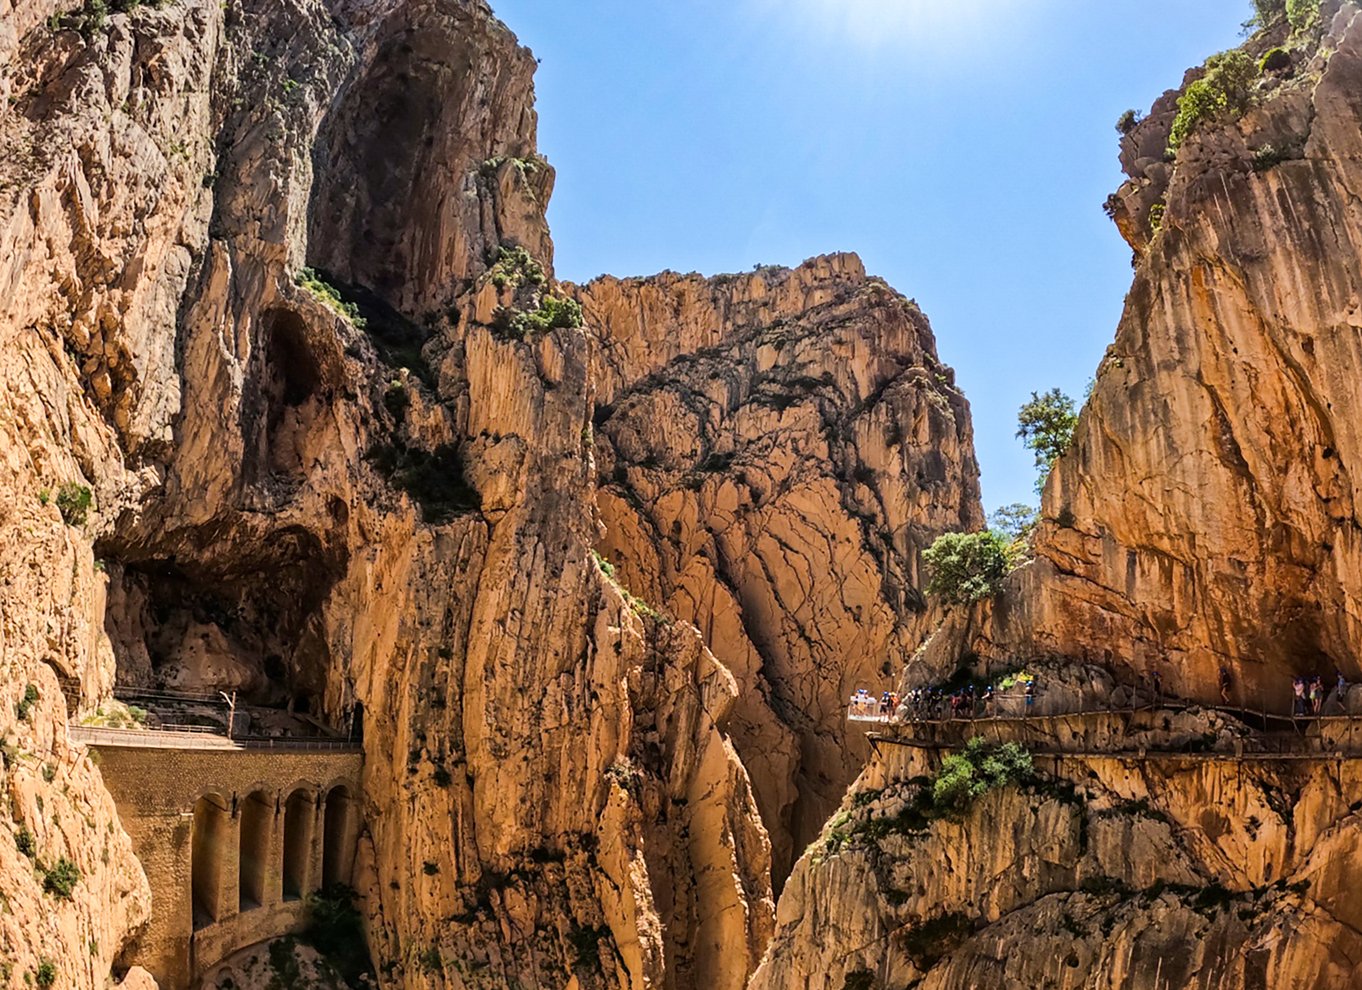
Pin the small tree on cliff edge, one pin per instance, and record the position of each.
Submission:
(1046, 426)
(966, 567)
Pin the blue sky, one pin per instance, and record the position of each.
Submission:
(962, 149)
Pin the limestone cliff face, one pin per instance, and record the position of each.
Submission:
(1114, 873)
(1207, 513)
(774, 451)
(1204, 516)
(378, 510)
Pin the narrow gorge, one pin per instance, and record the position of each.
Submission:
(377, 609)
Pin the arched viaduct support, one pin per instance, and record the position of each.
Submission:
(232, 842)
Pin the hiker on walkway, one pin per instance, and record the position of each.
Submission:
(1298, 695)
(1030, 696)
(1224, 684)
(1316, 694)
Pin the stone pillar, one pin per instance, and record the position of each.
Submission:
(314, 858)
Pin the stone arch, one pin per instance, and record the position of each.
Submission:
(300, 816)
(211, 829)
(338, 836)
(257, 826)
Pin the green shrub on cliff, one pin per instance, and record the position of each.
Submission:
(60, 878)
(74, 502)
(978, 769)
(1223, 92)
(553, 314)
(963, 778)
(965, 568)
(1302, 13)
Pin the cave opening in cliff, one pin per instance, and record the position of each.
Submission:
(248, 621)
(285, 401)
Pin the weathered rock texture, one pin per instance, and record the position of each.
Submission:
(1207, 513)
(1170, 871)
(775, 449)
(385, 524)
(1205, 516)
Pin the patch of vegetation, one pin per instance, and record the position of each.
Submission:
(1222, 93)
(1271, 155)
(46, 974)
(859, 979)
(607, 568)
(23, 841)
(515, 267)
(553, 314)
(1045, 426)
(336, 931)
(434, 479)
(930, 942)
(979, 768)
(1134, 809)
(1016, 521)
(24, 707)
(967, 567)
(286, 973)
(963, 778)
(74, 503)
(94, 15)
(316, 283)
(1302, 13)
(1157, 212)
(60, 878)
(1128, 121)
(1266, 12)
(116, 715)
(1275, 60)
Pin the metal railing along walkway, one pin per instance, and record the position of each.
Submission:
(198, 739)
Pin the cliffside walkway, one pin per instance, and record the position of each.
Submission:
(1181, 730)
(233, 834)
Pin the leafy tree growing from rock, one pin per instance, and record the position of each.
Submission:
(967, 567)
(1046, 426)
(1015, 521)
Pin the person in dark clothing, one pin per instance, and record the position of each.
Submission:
(1225, 684)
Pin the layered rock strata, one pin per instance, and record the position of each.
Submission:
(365, 492)
(774, 451)
(1206, 514)
(1203, 520)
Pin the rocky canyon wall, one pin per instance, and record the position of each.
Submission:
(1206, 514)
(1203, 518)
(365, 491)
(774, 450)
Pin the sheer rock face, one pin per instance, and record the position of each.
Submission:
(1207, 513)
(390, 524)
(1137, 875)
(774, 450)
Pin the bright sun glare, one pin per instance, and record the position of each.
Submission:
(917, 23)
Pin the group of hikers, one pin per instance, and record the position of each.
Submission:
(931, 704)
(973, 701)
(1308, 694)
